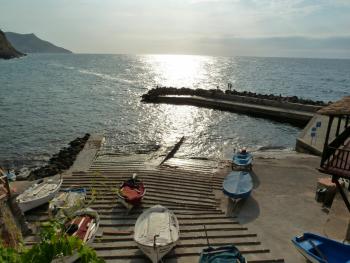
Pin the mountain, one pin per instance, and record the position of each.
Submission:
(30, 43)
(7, 51)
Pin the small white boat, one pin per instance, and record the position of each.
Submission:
(67, 202)
(39, 194)
(156, 232)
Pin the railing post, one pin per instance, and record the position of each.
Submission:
(338, 126)
(325, 147)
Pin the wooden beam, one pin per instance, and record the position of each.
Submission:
(324, 153)
(340, 139)
(338, 126)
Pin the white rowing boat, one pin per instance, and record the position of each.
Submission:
(39, 194)
(156, 232)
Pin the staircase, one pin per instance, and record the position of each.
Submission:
(184, 186)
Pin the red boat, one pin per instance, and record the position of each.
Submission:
(84, 225)
(131, 192)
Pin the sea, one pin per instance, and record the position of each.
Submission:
(47, 100)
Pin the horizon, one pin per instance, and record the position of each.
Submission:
(194, 55)
(265, 28)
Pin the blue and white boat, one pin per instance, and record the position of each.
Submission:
(319, 249)
(243, 158)
(238, 184)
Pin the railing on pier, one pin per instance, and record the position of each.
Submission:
(339, 162)
(330, 150)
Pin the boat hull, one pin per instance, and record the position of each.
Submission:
(132, 196)
(242, 160)
(319, 249)
(31, 204)
(228, 253)
(156, 232)
(308, 257)
(93, 213)
(155, 254)
(238, 185)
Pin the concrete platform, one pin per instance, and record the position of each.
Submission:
(282, 204)
(184, 186)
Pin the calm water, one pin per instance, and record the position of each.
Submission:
(48, 100)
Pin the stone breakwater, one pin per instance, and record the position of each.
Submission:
(219, 94)
(61, 161)
(282, 110)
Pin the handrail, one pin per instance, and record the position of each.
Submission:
(340, 159)
(330, 149)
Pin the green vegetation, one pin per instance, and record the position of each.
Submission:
(54, 244)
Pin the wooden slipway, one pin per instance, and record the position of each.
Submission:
(184, 186)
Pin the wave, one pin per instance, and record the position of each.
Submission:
(105, 76)
(97, 74)
(61, 66)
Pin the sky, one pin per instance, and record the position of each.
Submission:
(286, 28)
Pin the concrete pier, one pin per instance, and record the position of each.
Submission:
(282, 114)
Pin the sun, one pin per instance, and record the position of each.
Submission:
(177, 70)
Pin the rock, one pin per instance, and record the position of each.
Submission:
(60, 161)
(7, 51)
(153, 94)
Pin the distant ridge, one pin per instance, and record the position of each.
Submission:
(7, 51)
(30, 43)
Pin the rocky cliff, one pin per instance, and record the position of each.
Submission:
(7, 51)
(30, 43)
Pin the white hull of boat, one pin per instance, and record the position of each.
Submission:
(155, 254)
(156, 232)
(26, 205)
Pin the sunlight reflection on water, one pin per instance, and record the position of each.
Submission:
(69, 95)
(178, 70)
